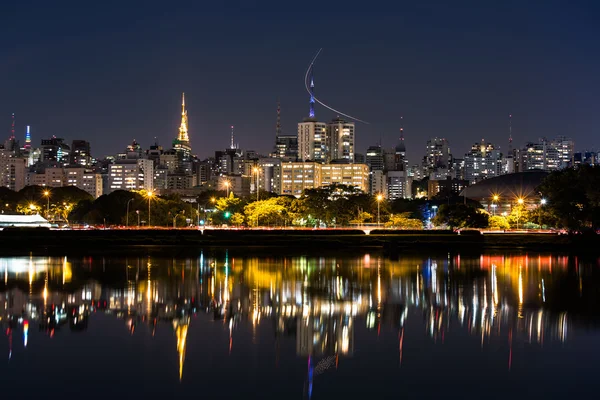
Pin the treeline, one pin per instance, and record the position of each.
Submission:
(572, 201)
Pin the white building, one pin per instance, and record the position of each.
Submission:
(12, 170)
(131, 174)
(84, 179)
(398, 185)
(483, 161)
(378, 184)
(312, 140)
(80, 177)
(340, 140)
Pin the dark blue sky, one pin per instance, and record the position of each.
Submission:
(110, 72)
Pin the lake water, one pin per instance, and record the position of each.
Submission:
(225, 324)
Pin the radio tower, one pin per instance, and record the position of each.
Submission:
(278, 127)
(311, 113)
(509, 133)
(12, 127)
(232, 138)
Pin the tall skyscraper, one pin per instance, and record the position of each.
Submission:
(483, 161)
(340, 140)
(80, 153)
(400, 161)
(286, 146)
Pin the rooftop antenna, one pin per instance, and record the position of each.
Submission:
(232, 138)
(278, 127)
(12, 127)
(510, 133)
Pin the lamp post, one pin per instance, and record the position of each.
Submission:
(150, 194)
(227, 187)
(379, 199)
(542, 203)
(47, 194)
(256, 171)
(520, 201)
(494, 201)
(127, 216)
(434, 208)
(138, 214)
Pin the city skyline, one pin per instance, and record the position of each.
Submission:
(417, 62)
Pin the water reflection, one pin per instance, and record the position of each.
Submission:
(318, 301)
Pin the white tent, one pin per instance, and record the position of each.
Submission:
(31, 221)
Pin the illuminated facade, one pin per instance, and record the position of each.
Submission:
(299, 176)
(356, 175)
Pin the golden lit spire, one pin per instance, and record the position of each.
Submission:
(183, 128)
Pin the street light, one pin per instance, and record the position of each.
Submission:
(256, 170)
(127, 216)
(227, 187)
(434, 210)
(379, 199)
(520, 201)
(47, 194)
(32, 206)
(495, 199)
(150, 194)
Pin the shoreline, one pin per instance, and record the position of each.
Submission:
(39, 242)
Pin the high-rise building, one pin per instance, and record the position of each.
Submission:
(12, 170)
(356, 175)
(398, 185)
(437, 155)
(299, 176)
(482, 161)
(339, 143)
(269, 179)
(374, 158)
(131, 174)
(55, 151)
(80, 153)
(312, 140)
(547, 155)
(400, 161)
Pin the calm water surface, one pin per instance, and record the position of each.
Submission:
(228, 325)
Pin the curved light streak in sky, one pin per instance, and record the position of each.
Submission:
(319, 101)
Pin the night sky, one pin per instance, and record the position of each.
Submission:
(109, 72)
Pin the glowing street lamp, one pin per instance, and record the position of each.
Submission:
(495, 199)
(150, 194)
(47, 195)
(256, 171)
(227, 183)
(520, 201)
(32, 207)
(379, 200)
(543, 202)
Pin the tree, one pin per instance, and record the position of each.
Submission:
(499, 222)
(573, 197)
(461, 216)
(362, 217)
(237, 219)
(519, 216)
(404, 221)
(265, 212)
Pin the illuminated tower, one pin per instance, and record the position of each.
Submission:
(27, 139)
(232, 146)
(278, 127)
(12, 127)
(183, 128)
(181, 145)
